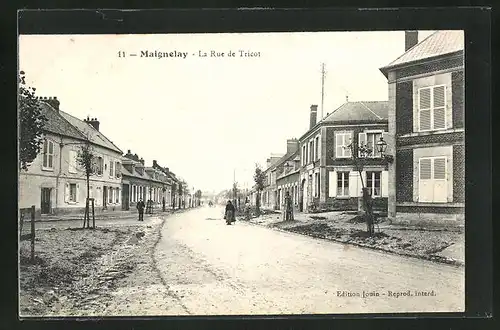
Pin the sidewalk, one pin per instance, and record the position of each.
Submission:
(106, 214)
(437, 244)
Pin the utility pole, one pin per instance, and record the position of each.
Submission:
(323, 73)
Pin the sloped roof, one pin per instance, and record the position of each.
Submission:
(363, 111)
(438, 43)
(57, 124)
(94, 135)
(286, 157)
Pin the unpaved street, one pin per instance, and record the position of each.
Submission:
(212, 268)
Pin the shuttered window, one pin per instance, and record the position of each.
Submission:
(342, 142)
(342, 184)
(48, 154)
(433, 180)
(72, 161)
(432, 108)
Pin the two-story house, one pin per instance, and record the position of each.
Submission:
(426, 124)
(269, 194)
(329, 177)
(287, 173)
(54, 182)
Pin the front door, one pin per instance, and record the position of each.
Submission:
(125, 197)
(105, 197)
(45, 203)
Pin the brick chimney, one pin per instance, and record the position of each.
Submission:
(292, 145)
(313, 116)
(94, 122)
(155, 163)
(411, 39)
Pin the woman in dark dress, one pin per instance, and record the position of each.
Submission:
(229, 215)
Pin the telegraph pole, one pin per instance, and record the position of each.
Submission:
(323, 73)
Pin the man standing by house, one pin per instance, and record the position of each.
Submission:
(140, 208)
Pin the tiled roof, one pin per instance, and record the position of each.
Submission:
(374, 111)
(57, 124)
(438, 43)
(94, 135)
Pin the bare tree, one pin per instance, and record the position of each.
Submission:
(259, 178)
(85, 158)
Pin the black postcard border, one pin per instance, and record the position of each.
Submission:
(477, 25)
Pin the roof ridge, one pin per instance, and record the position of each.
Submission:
(58, 113)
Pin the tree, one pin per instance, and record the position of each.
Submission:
(180, 190)
(259, 177)
(32, 122)
(85, 158)
(198, 197)
(174, 191)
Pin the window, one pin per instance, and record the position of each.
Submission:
(118, 169)
(111, 169)
(432, 180)
(370, 139)
(72, 193)
(99, 165)
(342, 184)
(72, 161)
(317, 148)
(432, 108)
(303, 155)
(48, 155)
(117, 197)
(342, 141)
(311, 151)
(373, 183)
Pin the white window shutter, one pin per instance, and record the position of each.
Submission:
(66, 192)
(385, 184)
(332, 183)
(354, 184)
(365, 182)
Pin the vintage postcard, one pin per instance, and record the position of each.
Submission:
(241, 173)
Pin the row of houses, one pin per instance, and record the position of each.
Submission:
(56, 184)
(422, 123)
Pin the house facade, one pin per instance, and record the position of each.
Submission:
(54, 182)
(287, 174)
(143, 183)
(269, 193)
(426, 124)
(329, 178)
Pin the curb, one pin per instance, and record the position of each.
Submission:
(433, 258)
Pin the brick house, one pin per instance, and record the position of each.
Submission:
(328, 178)
(54, 182)
(426, 124)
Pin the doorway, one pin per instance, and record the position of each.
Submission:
(45, 202)
(125, 197)
(105, 197)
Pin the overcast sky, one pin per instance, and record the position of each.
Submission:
(204, 117)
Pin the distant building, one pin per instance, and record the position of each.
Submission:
(426, 125)
(54, 182)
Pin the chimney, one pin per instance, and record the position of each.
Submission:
(347, 98)
(411, 39)
(92, 121)
(314, 115)
(155, 163)
(142, 161)
(292, 145)
(54, 102)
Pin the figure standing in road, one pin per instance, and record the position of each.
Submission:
(288, 207)
(229, 215)
(247, 209)
(140, 208)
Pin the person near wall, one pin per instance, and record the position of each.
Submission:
(247, 209)
(140, 208)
